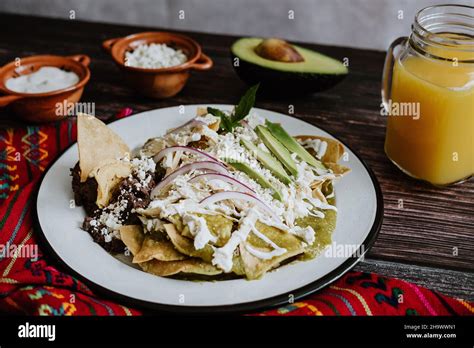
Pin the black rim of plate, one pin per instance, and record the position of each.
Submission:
(246, 307)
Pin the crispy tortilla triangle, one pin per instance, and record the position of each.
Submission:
(256, 267)
(162, 250)
(186, 246)
(177, 222)
(323, 188)
(317, 190)
(168, 268)
(153, 146)
(203, 112)
(219, 225)
(132, 236)
(108, 177)
(337, 169)
(215, 126)
(334, 150)
(149, 212)
(97, 144)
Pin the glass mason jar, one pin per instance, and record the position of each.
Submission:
(428, 96)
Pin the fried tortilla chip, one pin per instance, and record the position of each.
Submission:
(322, 188)
(132, 236)
(219, 226)
(97, 144)
(153, 146)
(186, 246)
(316, 188)
(177, 222)
(158, 249)
(334, 150)
(108, 177)
(255, 267)
(149, 212)
(189, 266)
(215, 126)
(337, 169)
(203, 112)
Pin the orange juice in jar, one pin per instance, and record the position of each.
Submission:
(428, 92)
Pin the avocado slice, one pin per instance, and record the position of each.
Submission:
(243, 167)
(268, 161)
(277, 149)
(291, 144)
(278, 74)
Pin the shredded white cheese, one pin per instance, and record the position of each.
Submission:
(154, 56)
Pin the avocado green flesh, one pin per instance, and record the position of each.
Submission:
(314, 62)
(277, 149)
(292, 145)
(257, 177)
(268, 161)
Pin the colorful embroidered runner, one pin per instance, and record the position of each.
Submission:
(38, 286)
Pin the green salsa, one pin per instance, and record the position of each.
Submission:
(323, 231)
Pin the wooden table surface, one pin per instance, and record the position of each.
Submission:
(429, 240)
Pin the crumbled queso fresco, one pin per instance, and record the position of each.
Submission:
(131, 195)
(154, 56)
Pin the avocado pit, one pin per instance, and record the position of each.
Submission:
(278, 50)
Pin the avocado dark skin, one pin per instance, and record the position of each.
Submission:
(284, 83)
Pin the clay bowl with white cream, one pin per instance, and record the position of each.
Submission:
(37, 87)
(157, 64)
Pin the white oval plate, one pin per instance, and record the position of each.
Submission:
(360, 211)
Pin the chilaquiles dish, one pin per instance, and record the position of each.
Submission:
(226, 195)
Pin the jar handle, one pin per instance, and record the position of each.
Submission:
(388, 71)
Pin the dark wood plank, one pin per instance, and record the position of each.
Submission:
(437, 279)
(426, 231)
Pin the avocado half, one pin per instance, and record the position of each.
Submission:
(316, 72)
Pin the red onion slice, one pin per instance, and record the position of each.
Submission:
(245, 123)
(225, 178)
(192, 122)
(159, 156)
(221, 196)
(204, 165)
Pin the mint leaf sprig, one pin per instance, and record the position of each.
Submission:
(241, 110)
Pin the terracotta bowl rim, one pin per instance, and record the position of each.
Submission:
(177, 68)
(11, 65)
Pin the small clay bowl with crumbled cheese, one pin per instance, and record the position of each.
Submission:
(157, 64)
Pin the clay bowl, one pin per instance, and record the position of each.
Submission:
(43, 107)
(164, 82)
